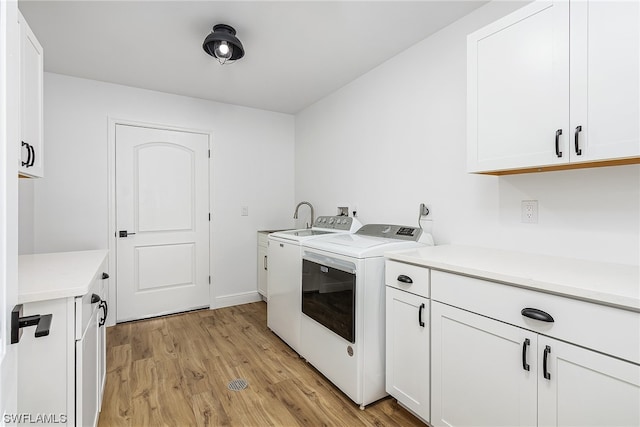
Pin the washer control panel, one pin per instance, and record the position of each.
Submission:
(391, 231)
(334, 222)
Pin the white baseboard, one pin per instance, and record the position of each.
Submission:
(236, 299)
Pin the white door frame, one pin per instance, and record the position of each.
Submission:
(111, 165)
(9, 135)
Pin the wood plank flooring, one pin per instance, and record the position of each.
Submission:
(174, 371)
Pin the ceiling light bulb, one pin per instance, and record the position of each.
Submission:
(223, 50)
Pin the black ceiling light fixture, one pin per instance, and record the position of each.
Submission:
(223, 44)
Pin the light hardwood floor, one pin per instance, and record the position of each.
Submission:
(174, 371)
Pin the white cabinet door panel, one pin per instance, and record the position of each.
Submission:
(478, 375)
(31, 162)
(407, 350)
(586, 388)
(87, 393)
(284, 309)
(518, 89)
(262, 271)
(605, 82)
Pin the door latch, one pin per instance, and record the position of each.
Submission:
(125, 233)
(42, 323)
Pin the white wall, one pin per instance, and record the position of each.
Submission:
(395, 137)
(26, 200)
(252, 165)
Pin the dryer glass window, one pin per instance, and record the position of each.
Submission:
(329, 298)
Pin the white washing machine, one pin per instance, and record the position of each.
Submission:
(284, 272)
(342, 326)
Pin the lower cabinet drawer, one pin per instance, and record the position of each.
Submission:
(407, 277)
(606, 329)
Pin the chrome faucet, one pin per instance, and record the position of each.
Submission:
(295, 214)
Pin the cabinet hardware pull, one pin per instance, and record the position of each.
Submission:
(33, 156)
(24, 144)
(547, 351)
(420, 322)
(265, 262)
(558, 152)
(534, 313)
(105, 309)
(578, 150)
(95, 298)
(525, 344)
(404, 279)
(105, 276)
(41, 322)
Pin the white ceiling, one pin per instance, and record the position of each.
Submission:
(297, 52)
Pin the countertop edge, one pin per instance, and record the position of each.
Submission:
(61, 285)
(588, 295)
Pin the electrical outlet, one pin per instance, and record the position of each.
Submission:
(529, 211)
(244, 211)
(343, 210)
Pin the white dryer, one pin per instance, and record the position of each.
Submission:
(343, 306)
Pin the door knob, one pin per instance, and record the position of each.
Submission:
(125, 233)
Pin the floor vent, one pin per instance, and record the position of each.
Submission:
(237, 384)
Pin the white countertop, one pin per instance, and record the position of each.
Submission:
(57, 275)
(604, 283)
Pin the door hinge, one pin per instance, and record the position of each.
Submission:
(209, 153)
(209, 279)
(209, 216)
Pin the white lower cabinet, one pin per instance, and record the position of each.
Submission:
(284, 308)
(407, 336)
(87, 364)
(61, 375)
(262, 264)
(586, 388)
(477, 373)
(407, 350)
(487, 372)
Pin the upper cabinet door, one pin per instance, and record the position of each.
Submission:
(605, 87)
(518, 89)
(31, 96)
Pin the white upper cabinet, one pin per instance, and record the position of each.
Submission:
(605, 80)
(548, 75)
(30, 163)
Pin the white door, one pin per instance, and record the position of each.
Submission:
(9, 135)
(518, 89)
(162, 221)
(407, 349)
(479, 373)
(605, 87)
(585, 388)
